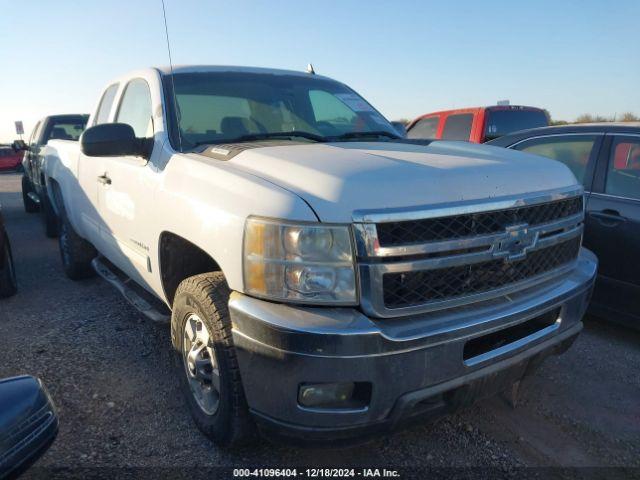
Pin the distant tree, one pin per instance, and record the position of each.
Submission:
(588, 118)
(629, 117)
(553, 121)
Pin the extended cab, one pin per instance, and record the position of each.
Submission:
(325, 278)
(34, 194)
(476, 125)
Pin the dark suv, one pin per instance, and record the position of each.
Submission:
(8, 285)
(606, 158)
(34, 189)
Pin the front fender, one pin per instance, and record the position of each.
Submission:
(207, 202)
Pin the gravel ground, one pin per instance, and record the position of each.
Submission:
(112, 377)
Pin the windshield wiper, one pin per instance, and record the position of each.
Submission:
(250, 137)
(354, 135)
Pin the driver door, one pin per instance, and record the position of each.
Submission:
(86, 209)
(126, 191)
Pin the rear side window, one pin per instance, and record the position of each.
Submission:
(572, 150)
(501, 122)
(458, 127)
(135, 108)
(623, 173)
(106, 102)
(425, 128)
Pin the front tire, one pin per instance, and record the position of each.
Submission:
(8, 283)
(76, 253)
(206, 360)
(29, 205)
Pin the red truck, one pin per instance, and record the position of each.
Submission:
(477, 125)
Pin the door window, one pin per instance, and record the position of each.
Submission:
(34, 135)
(623, 172)
(572, 150)
(106, 102)
(458, 127)
(135, 108)
(425, 128)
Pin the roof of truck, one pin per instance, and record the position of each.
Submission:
(166, 70)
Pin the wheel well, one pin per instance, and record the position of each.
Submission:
(180, 259)
(56, 193)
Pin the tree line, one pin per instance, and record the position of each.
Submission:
(589, 118)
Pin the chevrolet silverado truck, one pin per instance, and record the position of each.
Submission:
(324, 279)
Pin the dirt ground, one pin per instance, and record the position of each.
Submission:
(111, 374)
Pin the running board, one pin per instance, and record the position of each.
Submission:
(131, 292)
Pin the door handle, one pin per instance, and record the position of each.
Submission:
(104, 179)
(611, 217)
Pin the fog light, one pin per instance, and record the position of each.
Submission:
(326, 395)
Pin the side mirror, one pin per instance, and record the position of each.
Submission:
(400, 128)
(28, 423)
(19, 146)
(114, 140)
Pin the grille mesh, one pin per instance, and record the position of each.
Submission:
(485, 223)
(408, 289)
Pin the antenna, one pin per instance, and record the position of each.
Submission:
(310, 70)
(173, 83)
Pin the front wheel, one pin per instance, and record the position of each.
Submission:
(206, 360)
(8, 283)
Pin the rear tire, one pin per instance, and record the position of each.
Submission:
(76, 253)
(8, 283)
(29, 205)
(49, 217)
(203, 299)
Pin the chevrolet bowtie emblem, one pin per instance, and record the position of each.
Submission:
(515, 243)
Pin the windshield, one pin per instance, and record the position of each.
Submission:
(219, 107)
(501, 122)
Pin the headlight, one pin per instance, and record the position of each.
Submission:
(298, 262)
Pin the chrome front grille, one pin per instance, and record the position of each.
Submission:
(418, 287)
(419, 260)
(472, 224)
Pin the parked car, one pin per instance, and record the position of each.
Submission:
(8, 283)
(477, 125)
(34, 189)
(9, 159)
(606, 159)
(325, 279)
(28, 424)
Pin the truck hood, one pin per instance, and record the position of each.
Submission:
(336, 179)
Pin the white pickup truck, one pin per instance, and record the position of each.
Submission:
(325, 280)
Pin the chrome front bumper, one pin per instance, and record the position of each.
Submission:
(413, 363)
